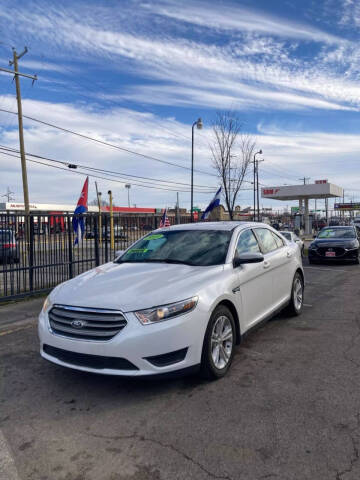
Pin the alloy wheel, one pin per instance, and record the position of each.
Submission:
(298, 293)
(221, 342)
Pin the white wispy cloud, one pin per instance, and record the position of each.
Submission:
(249, 70)
(235, 17)
(288, 154)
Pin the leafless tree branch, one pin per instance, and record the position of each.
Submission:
(232, 152)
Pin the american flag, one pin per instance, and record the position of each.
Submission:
(164, 222)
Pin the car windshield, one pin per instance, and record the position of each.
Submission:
(5, 236)
(337, 233)
(190, 247)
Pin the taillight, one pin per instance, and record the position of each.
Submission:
(9, 245)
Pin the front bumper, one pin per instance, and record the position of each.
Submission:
(137, 350)
(350, 255)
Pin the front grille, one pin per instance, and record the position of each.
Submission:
(90, 361)
(339, 251)
(86, 323)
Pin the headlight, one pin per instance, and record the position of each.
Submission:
(165, 312)
(47, 305)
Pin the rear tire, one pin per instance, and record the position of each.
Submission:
(297, 296)
(219, 344)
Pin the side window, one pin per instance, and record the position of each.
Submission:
(267, 239)
(247, 243)
(278, 240)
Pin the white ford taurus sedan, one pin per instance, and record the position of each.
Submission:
(179, 299)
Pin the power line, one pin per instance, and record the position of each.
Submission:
(113, 145)
(107, 178)
(102, 142)
(110, 172)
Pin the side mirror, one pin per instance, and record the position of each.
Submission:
(118, 253)
(247, 258)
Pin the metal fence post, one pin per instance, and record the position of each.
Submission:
(106, 239)
(70, 246)
(30, 220)
(97, 240)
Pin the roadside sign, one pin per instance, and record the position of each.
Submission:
(347, 206)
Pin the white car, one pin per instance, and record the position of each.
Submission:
(179, 299)
(292, 237)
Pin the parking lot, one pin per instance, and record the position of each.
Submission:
(288, 409)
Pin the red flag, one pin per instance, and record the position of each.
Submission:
(83, 199)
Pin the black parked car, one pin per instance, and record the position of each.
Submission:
(9, 249)
(335, 244)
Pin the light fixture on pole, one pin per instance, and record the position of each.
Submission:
(199, 126)
(255, 183)
(128, 186)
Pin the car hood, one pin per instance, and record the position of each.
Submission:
(133, 286)
(335, 242)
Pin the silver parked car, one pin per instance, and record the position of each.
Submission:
(292, 237)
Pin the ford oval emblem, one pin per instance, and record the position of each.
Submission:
(77, 324)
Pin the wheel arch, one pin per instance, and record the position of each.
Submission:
(232, 308)
(300, 271)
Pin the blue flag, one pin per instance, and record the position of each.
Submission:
(215, 202)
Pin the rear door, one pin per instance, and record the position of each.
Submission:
(278, 257)
(254, 293)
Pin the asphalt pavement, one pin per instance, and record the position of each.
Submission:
(288, 409)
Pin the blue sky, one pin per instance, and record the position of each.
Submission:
(138, 73)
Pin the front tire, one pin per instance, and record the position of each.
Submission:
(297, 296)
(219, 344)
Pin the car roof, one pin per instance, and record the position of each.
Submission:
(221, 226)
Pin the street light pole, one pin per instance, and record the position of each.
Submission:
(259, 152)
(199, 126)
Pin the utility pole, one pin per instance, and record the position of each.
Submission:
(128, 186)
(177, 208)
(17, 76)
(305, 179)
(98, 196)
(257, 188)
(254, 182)
(8, 194)
(112, 243)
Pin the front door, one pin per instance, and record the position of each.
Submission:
(254, 298)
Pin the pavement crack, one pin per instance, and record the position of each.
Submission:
(355, 455)
(352, 344)
(169, 446)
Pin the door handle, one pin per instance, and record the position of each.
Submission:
(236, 289)
(266, 264)
(288, 254)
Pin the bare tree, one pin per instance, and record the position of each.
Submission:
(104, 203)
(232, 152)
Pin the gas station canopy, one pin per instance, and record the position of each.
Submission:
(319, 189)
